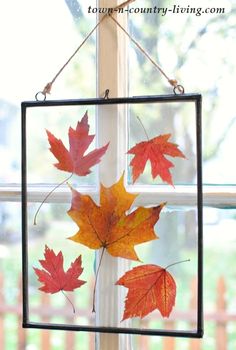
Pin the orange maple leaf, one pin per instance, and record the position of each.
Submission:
(108, 225)
(151, 287)
(154, 150)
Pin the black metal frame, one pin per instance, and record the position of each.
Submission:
(196, 98)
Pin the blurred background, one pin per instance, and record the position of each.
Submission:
(36, 38)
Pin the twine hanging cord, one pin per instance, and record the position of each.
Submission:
(177, 89)
(172, 82)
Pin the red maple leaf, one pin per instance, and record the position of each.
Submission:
(53, 276)
(154, 150)
(151, 287)
(74, 160)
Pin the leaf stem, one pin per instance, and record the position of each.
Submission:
(73, 308)
(96, 278)
(145, 131)
(48, 195)
(176, 263)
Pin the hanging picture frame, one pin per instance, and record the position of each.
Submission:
(178, 191)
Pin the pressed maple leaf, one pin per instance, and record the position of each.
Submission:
(53, 276)
(151, 287)
(75, 161)
(108, 225)
(154, 150)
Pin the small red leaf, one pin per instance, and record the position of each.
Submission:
(54, 277)
(74, 160)
(154, 150)
(151, 287)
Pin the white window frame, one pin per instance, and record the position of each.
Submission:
(112, 63)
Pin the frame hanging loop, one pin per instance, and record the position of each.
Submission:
(40, 96)
(106, 95)
(178, 89)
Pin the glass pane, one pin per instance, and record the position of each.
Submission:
(113, 224)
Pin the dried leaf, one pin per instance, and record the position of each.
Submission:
(150, 287)
(108, 225)
(154, 150)
(75, 160)
(53, 276)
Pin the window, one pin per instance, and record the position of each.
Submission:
(207, 45)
